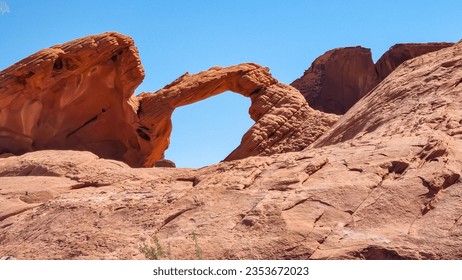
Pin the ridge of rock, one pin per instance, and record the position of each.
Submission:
(399, 53)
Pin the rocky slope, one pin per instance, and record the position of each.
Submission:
(339, 78)
(383, 183)
(79, 96)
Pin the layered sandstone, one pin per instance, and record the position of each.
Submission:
(339, 78)
(80, 96)
(383, 183)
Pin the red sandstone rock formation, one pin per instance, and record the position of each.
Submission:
(79, 96)
(339, 78)
(283, 120)
(383, 183)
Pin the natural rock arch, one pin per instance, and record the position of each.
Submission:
(79, 96)
(283, 120)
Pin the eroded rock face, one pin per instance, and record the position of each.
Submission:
(339, 78)
(79, 96)
(283, 120)
(383, 183)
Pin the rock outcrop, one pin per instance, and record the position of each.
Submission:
(383, 183)
(164, 163)
(339, 78)
(79, 96)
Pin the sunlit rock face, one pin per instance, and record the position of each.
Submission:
(75, 96)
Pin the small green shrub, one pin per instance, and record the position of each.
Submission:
(155, 251)
(198, 249)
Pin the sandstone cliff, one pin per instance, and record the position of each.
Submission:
(383, 183)
(339, 78)
(79, 96)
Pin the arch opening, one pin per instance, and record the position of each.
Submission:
(206, 132)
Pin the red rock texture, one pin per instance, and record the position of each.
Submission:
(339, 78)
(79, 96)
(383, 183)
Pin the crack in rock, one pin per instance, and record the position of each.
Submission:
(174, 216)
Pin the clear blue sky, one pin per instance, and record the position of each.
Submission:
(177, 36)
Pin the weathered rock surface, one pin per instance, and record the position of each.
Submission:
(283, 120)
(383, 183)
(79, 96)
(339, 78)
